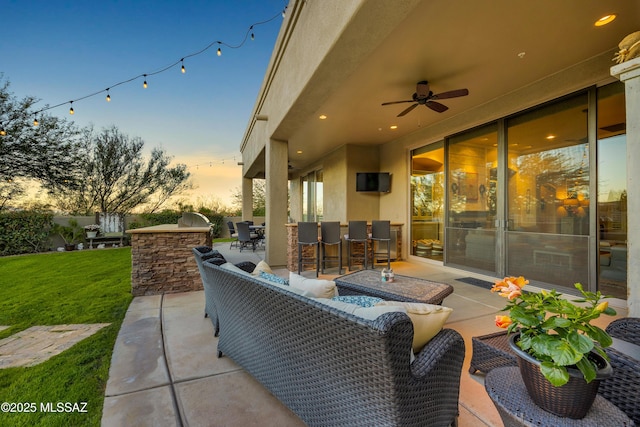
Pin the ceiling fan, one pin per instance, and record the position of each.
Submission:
(424, 96)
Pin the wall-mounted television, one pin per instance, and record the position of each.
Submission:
(378, 182)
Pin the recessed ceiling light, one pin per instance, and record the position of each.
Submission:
(393, 127)
(299, 151)
(551, 137)
(605, 20)
(322, 117)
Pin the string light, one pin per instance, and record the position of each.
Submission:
(248, 34)
(212, 163)
(71, 109)
(35, 121)
(2, 132)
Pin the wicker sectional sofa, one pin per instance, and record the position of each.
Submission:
(204, 254)
(330, 367)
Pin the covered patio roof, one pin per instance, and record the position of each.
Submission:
(364, 53)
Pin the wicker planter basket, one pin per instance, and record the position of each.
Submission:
(572, 400)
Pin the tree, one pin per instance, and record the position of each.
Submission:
(117, 179)
(259, 197)
(48, 152)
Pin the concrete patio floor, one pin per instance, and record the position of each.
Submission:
(165, 370)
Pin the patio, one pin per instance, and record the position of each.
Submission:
(165, 371)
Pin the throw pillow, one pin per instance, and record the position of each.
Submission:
(427, 319)
(361, 300)
(372, 313)
(318, 287)
(369, 313)
(262, 266)
(273, 278)
(231, 267)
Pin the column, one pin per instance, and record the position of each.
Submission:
(629, 73)
(247, 199)
(277, 176)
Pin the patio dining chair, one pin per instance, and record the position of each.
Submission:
(232, 234)
(246, 237)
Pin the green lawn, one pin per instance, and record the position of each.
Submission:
(61, 288)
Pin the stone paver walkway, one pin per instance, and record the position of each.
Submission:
(39, 343)
(2, 327)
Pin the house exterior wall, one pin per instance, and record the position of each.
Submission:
(395, 154)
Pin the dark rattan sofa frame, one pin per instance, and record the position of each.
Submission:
(332, 368)
(204, 254)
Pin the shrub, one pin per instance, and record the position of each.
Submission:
(24, 232)
(156, 218)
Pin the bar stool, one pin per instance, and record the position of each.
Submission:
(380, 232)
(329, 236)
(308, 236)
(357, 234)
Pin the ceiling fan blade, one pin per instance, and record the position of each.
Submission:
(422, 88)
(397, 102)
(451, 94)
(408, 110)
(436, 106)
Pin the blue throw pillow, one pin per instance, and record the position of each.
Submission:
(273, 278)
(361, 300)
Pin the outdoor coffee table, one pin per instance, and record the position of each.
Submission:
(403, 288)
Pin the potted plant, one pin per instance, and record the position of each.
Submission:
(557, 345)
(71, 234)
(92, 230)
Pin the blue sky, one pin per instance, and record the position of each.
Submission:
(59, 51)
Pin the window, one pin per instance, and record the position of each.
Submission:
(312, 196)
(427, 197)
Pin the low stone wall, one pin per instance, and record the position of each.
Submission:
(162, 259)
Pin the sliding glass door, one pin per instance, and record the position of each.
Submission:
(548, 193)
(427, 201)
(472, 194)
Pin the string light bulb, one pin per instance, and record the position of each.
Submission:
(71, 108)
(183, 69)
(2, 132)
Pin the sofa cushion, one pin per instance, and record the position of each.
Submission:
(262, 266)
(369, 313)
(318, 287)
(274, 278)
(361, 300)
(231, 267)
(427, 319)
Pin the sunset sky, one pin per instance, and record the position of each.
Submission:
(58, 51)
